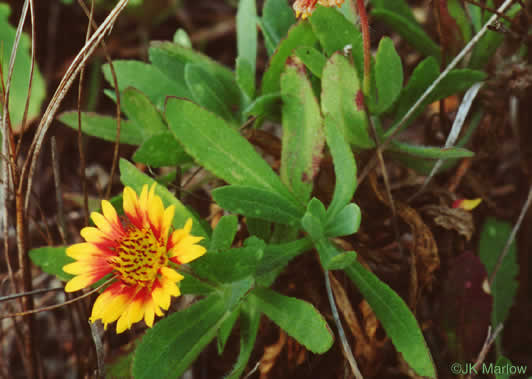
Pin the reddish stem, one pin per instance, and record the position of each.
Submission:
(364, 24)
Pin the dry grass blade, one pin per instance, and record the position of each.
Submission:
(345, 344)
(61, 91)
(458, 123)
(467, 48)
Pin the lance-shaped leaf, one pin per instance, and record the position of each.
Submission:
(303, 137)
(297, 318)
(337, 33)
(174, 342)
(51, 260)
(345, 169)
(246, 33)
(249, 327)
(142, 76)
(224, 233)
(161, 150)
(340, 88)
(220, 149)
(299, 35)
(104, 127)
(131, 176)
(139, 109)
(231, 265)
(396, 318)
(277, 18)
(388, 75)
(171, 59)
(207, 90)
(21, 79)
(410, 30)
(257, 203)
(312, 58)
(493, 238)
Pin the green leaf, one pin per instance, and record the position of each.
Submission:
(172, 58)
(194, 286)
(259, 228)
(161, 150)
(410, 30)
(340, 86)
(399, 7)
(493, 238)
(264, 105)
(21, 73)
(345, 169)
(277, 18)
(475, 13)
(388, 75)
(225, 329)
(257, 203)
(131, 176)
(120, 367)
(335, 33)
(246, 33)
(333, 30)
(231, 265)
(458, 13)
(341, 261)
(224, 233)
(245, 77)
(312, 58)
(104, 127)
(278, 255)
(331, 258)
(430, 152)
(426, 72)
(345, 222)
(142, 112)
(52, 260)
(303, 137)
(299, 35)
(297, 318)
(143, 76)
(422, 77)
(174, 342)
(249, 327)
(396, 318)
(314, 219)
(220, 149)
(207, 91)
(490, 42)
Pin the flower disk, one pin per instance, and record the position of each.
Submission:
(136, 252)
(304, 8)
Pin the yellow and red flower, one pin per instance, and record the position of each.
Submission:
(136, 251)
(304, 8)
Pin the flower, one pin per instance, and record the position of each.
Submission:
(304, 8)
(136, 251)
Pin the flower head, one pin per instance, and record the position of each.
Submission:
(136, 251)
(304, 8)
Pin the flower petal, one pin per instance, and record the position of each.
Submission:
(130, 204)
(85, 250)
(85, 280)
(167, 222)
(171, 274)
(187, 254)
